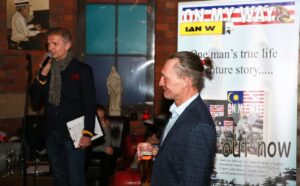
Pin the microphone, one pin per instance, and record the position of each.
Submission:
(48, 57)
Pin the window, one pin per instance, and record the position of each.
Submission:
(121, 35)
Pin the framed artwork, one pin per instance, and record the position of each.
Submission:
(27, 22)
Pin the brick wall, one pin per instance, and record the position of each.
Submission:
(165, 42)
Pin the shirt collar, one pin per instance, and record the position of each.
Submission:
(177, 111)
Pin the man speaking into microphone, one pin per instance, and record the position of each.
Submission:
(67, 87)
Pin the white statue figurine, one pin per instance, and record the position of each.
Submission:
(114, 87)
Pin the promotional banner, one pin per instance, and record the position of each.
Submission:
(253, 94)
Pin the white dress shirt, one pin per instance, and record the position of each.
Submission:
(176, 112)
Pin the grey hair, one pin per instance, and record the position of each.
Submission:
(64, 33)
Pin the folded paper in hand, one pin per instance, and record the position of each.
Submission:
(75, 128)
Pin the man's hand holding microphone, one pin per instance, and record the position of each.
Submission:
(46, 65)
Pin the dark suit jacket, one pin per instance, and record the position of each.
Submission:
(187, 154)
(77, 99)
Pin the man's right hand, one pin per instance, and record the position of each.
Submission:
(38, 27)
(45, 71)
(43, 30)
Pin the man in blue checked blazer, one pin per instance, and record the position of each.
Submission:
(188, 144)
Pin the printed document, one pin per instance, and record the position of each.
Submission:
(75, 128)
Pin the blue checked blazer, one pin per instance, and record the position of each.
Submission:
(186, 155)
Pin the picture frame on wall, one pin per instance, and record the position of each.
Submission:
(27, 23)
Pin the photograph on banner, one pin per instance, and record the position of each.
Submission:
(253, 95)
